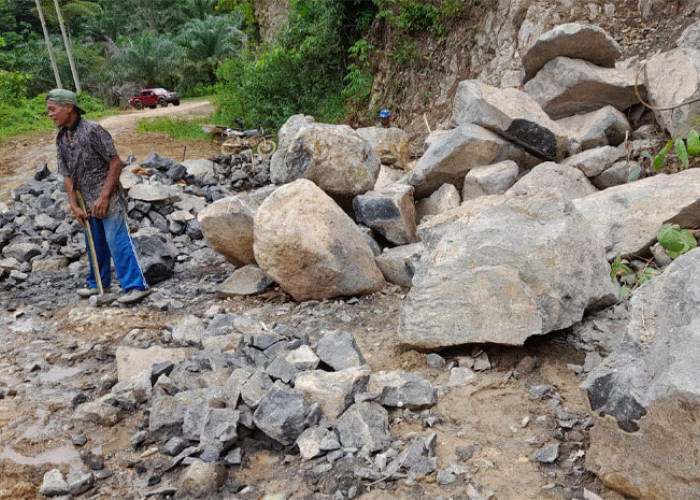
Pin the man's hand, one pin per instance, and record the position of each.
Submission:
(79, 213)
(101, 207)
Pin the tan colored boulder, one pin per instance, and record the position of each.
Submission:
(227, 225)
(390, 144)
(334, 157)
(310, 247)
(489, 179)
(606, 126)
(551, 177)
(445, 198)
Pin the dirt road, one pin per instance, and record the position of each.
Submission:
(19, 157)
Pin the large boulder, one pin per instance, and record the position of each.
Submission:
(334, 157)
(627, 217)
(390, 144)
(603, 127)
(566, 87)
(512, 114)
(389, 211)
(310, 247)
(575, 40)
(673, 78)
(501, 269)
(227, 225)
(649, 385)
(550, 176)
(455, 153)
(286, 135)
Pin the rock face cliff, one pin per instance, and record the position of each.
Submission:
(490, 43)
(270, 15)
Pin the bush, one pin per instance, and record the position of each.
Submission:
(302, 72)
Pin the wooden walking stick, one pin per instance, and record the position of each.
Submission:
(91, 243)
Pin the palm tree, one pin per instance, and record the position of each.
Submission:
(207, 43)
(69, 52)
(49, 46)
(148, 59)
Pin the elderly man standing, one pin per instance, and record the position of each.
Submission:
(90, 165)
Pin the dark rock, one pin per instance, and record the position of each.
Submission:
(174, 446)
(339, 350)
(156, 255)
(281, 414)
(364, 425)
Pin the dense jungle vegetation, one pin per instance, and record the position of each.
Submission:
(319, 63)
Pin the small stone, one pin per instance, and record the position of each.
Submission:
(174, 446)
(465, 452)
(234, 457)
(547, 454)
(79, 439)
(540, 391)
(445, 477)
(91, 460)
(138, 439)
(53, 484)
(460, 376)
(80, 482)
(435, 360)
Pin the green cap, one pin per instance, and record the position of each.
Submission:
(64, 96)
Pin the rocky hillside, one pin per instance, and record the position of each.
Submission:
(489, 44)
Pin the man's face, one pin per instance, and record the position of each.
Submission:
(60, 113)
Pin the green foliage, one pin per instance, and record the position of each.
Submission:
(179, 129)
(417, 16)
(301, 72)
(359, 78)
(29, 115)
(693, 141)
(622, 271)
(13, 87)
(683, 151)
(675, 240)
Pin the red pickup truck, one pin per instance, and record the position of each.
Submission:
(153, 98)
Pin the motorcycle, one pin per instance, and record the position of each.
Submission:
(234, 140)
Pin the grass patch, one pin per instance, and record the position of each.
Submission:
(28, 116)
(179, 129)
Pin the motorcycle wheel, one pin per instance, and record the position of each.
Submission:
(266, 147)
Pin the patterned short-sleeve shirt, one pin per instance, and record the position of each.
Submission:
(85, 161)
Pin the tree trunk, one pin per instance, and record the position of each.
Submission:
(49, 46)
(69, 52)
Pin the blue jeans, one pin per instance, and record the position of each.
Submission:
(113, 241)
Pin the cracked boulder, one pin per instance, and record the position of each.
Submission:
(648, 388)
(389, 211)
(501, 269)
(512, 114)
(566, 87)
